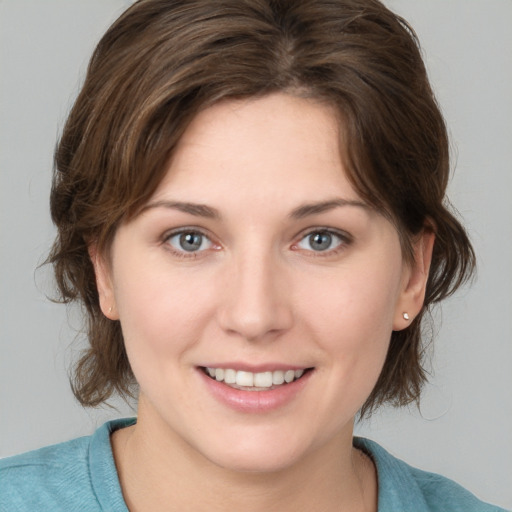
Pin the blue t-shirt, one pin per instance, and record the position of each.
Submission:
(81, 475)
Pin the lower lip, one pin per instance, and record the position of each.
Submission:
(255, 401)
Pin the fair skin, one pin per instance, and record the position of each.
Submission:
(255, 254)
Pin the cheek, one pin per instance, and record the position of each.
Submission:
(160, 314)
(351, 316)
(355, 304)
(350, 321)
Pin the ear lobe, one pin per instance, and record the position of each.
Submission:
(103, 283)
(415, 283)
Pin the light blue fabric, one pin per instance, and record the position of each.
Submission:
(403, 488)
(80, 475)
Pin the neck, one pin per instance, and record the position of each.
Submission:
(160, 471)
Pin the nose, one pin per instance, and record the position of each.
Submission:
(256, 301)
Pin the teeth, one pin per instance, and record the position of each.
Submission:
(230, 376)
(254, 380)
(289, 376)
(277, 377)
(263, 380)
(244, 379)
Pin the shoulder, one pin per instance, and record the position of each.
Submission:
(403, 487)
(67, 476)
(48, 477)
(441, 493)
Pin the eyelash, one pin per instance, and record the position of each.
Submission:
(344, 240)
(185, 231)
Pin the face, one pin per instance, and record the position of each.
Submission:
(256, 291)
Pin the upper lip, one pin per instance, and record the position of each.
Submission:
(256, 368)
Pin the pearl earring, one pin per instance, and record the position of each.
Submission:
(406, 316)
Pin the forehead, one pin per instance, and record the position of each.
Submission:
(278, 147)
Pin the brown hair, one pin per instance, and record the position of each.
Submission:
(163, 61)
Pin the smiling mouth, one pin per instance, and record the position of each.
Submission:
(248, 381)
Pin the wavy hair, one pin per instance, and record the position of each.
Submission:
(163, 61)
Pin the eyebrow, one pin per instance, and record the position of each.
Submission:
(324, 206)
(199, 210)
(202, 210)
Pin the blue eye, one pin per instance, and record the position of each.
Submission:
(189, 241)
(321, 241)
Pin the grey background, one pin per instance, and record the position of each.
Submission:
(464, 427)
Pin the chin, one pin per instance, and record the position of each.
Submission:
(261, 461)
(258, 453)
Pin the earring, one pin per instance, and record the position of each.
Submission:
(110, 309)
(406, 316)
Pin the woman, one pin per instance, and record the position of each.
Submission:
(249, 198)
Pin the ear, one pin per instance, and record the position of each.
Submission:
(415, 278)
(104, 283)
